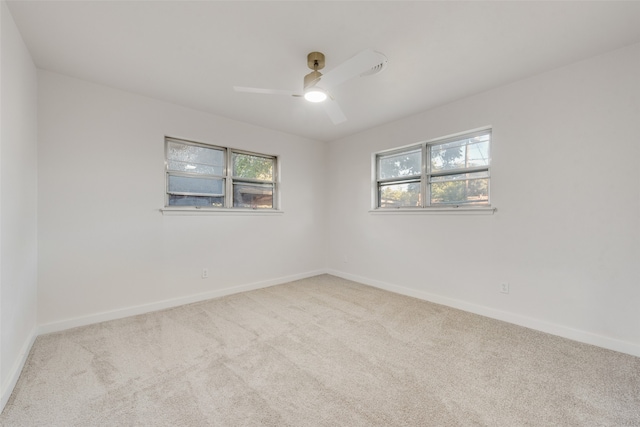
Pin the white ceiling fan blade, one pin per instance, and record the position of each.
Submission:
(265, 91)
(353, 67)
(334, 111)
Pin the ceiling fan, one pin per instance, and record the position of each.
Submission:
(317, 86)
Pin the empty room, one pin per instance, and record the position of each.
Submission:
(320, 213)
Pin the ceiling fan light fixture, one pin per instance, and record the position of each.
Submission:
(315, 94)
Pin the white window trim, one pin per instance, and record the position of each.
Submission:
(186, 211)
(449, 210)
(464, 209)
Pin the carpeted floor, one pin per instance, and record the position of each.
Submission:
(320, 352)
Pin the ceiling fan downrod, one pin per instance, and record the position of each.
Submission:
(315, 61)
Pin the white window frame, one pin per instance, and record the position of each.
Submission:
(228, 181)
(425, 176)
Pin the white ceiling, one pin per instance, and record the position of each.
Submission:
(193, 53)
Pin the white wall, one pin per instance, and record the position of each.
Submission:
(18, 198)
(566, 235)
(104, 246)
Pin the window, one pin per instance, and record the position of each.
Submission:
(201, 175)
(442, 173)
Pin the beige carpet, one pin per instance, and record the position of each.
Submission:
(320, 352)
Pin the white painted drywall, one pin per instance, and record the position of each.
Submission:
(18, 198)
(104, 245)
(566, 235)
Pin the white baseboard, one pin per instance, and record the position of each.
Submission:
(161, 305)
(16, 369)
(517, 319)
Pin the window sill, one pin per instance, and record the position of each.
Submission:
(449, 210)
(217, 211)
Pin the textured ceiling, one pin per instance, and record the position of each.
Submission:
(193, 53)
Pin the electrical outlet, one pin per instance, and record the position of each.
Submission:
(205, 273)
(504, 288)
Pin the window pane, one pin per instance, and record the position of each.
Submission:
(192, 167)
(195, 159)
(253, 167)
(465, 153)
(196, 185)
(180, 200)
(252, 196)
(460, 191)
(400, 195)
(400, 164)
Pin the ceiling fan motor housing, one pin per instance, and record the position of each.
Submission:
(311, 78)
